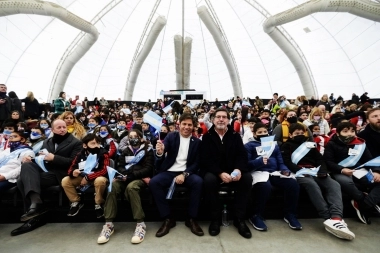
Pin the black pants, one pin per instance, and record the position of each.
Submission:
(34, 179)
(242, 188)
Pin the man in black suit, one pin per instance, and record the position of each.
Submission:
(177, 159)
(61, 151)
(224, 161)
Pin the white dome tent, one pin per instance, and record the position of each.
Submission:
(333, 51)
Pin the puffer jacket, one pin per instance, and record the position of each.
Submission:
(274, 163)
(310, 160)
(144, 168)
(336, 151)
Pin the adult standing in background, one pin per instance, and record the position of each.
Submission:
(16, 102)
(5, 104)
(32, 107)
(61, 104)
(364, 98)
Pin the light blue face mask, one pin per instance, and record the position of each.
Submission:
(91, 125)
(44, 126)
(35, 136)
(103, 134)
(7, 132)
(121, 127)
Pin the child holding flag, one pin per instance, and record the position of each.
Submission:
(343, 154)
(88, 167)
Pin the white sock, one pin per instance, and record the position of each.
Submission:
(110, 224)
(142, 224)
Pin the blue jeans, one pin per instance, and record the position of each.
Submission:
(160, 184)
(262, 192)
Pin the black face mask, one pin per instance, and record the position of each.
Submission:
(346, 139)
(93, 150)
(134, 142)
(258, 137)
(292, 120)
(299, 138)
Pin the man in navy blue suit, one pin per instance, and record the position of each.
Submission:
(178, 159)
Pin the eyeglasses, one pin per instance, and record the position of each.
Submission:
(221, 117)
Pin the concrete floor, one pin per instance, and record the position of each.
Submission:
(81, 237)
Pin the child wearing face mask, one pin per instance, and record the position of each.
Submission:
(11, 160)
(265, 164)
(9, 128)
(93, 125)
(36, 139)
(281, 132)
(107, 141)
(95, 159)
(319, 138)
(298, 153)
(121, 131)
(45, 125)
(316, 117)
(343, 154)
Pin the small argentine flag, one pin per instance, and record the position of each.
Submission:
(153, 119)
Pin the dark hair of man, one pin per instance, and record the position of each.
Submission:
(186, 116)
(259, 125)
(137, 127)
(91, 137)
(372, 111)
(311, 127)
(344, 125)
(221, 110)
(365, 107)
(296, 126)
(61, 93)
(139, 115)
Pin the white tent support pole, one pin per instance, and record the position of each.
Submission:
(145, 50)
(178, 60)
(362, 8)
(112, 4)
(297, 52)
(139, 45)
(219, 24)
(186, 61)
(55, 10)
(220, 42)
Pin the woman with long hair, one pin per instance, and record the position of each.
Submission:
(73, 126)
(316, 117)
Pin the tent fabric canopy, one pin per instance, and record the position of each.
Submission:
(341, 49)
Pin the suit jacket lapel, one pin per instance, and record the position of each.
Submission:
(191, 147)
(63, 144)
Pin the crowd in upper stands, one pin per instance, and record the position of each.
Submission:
(326, 146)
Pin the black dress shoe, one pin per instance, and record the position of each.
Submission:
(194, 227)
(242, 228)
(34, 211)
(28, 226)
(165, 228)
(214, 228)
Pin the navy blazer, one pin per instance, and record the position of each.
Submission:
(171, 142)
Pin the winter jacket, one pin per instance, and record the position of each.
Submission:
(310, 160)
(372, 139)
(336, 151)
(144, 168)
(274, 163)
(218, 156)
(99, 171)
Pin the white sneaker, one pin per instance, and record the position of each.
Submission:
(139, 234)
(106, 233)
(339, 229)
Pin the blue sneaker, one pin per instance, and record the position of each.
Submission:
(258, 223)
(293, 222)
